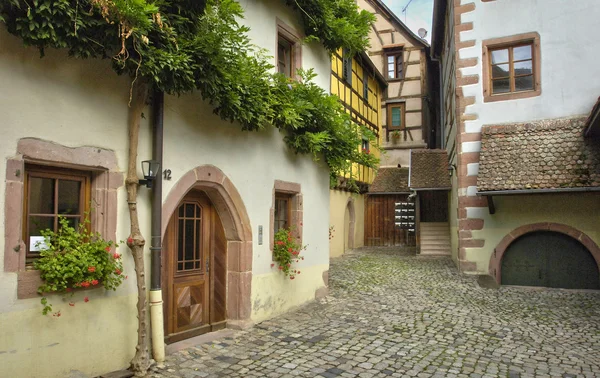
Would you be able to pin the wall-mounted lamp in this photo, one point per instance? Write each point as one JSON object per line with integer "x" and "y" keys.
{"x": 150, "y": 169}
{"x": 451, "y": 169}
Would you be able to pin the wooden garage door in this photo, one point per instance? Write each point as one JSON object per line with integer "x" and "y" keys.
{"x": 380, "y": 222}
{"x": 549, "y": 259}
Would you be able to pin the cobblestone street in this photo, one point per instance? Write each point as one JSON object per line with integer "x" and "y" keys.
{"x": 393, "y": 314}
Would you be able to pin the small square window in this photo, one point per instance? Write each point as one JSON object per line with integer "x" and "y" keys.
{"x": 365, "y": 145}
{"x": 50, "y": 193}
{"x": 284, "y": 57}
{"x": 289, "y": 50}
{"x": 511, "y": 67}
{"x": 282, "y": 214}
{"x": 395, "y": 116}
{"x": 394, "y": 64}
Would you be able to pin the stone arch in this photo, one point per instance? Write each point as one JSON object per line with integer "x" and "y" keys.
{"x": 231, "y": 210}
{"x": 495, "y": 265}
{"x": 350, "y": 207}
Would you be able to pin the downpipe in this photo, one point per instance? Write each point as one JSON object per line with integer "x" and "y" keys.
{"x": 156, "y": 301}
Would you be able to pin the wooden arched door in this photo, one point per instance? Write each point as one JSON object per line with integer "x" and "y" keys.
{"x": 194, "y": 267}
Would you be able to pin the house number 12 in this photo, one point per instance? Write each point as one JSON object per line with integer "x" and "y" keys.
{"x": 167, "y": 174}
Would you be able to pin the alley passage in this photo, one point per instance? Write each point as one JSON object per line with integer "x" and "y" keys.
{"x": 390, "y": 313}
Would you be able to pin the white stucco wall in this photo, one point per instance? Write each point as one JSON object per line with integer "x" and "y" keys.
{"x": 569, "y": 55}
{"x": 83, "y": 103}
{"x": 569, "y": 51}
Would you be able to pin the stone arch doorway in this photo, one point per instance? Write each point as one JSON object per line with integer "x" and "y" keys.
{"x": 349, "y": 222}
{"x": 549, "y": 255}
{"x": 230, "y": 259}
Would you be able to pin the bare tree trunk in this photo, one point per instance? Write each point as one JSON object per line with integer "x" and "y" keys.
{"x": 141, "y": 361}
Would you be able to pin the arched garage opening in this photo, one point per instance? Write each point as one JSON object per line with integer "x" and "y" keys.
{"x": 547, "y": 255}
{"x": 549, "y": 259}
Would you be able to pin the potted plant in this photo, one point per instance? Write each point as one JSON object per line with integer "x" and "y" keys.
{"x": 72, "y": 259}
{"x": 285, "y": 251}
{"x": 395, "y": 136}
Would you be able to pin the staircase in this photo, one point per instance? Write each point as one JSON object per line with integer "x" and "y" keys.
{"x": 435, "y": 239}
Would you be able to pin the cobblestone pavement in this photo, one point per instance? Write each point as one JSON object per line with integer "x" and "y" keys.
{"x": 393, "y": 314}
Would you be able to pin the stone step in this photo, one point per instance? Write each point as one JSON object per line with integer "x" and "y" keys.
{"x": 435, "y": 242}
{"x": 435, "y": 253}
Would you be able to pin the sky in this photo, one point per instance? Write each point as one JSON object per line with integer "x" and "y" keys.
{"x": 417, "y": 15}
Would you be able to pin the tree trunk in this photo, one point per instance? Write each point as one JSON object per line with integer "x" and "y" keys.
{"x": 141, "y": 361}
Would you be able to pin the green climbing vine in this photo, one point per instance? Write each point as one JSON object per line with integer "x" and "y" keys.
{"x": 184, "y": 45}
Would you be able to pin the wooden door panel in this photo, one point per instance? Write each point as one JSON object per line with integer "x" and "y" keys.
{"x": 380, "y": 219}
{"x": 191, "y": 306}
{"x": 187, "y": 268}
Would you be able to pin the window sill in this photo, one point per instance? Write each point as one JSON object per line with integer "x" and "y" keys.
{"x": 511, "y": 96}
{"x": 29, "y": 281}
{"x": 394, "y": 80}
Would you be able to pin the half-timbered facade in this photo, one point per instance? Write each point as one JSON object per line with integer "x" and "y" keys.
{"x": 401, "y": 57}
{"x": 359, "y": 86}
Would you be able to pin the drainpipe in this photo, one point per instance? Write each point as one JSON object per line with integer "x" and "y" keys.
{"x": 156, "y": 302}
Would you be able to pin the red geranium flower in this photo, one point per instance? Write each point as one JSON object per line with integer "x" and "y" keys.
{"x": 85, "y": 284}
{"x": 71, "y": 304}
{"x": 91, "y": 269}
{"x": 116, "y": 256}
{"x": 272, "y": 265}
{"x": 118, "y": 271}
{"x": 289, "y": 265}
{"x": 289, "y": 249}
{"x": 86, "y": 299}
{"x": 94, "y": 282}
{"x": 107, "y": 249}
{"x": 280, "y": 267}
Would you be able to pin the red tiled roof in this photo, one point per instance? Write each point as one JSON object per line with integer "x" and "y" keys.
{"x": 390, "y": 180}
{"x": 429, "y": 169}
{"x": 549, "y": 154}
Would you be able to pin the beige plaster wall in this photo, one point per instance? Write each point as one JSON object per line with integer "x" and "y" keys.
{"x": 338, "y": 201}
{"x": 83, "y": 103}
{"x": 274, "y": 294}
{"x": 578, "y": 210}
{"x": 75, "y": 104}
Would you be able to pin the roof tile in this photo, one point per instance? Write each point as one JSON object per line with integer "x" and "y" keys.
{"x": 390, "y": 180}
{"x": 429, "y": 169}
{"x": 548, "y": 154}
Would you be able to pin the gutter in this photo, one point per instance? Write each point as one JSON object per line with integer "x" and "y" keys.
{"x": 384, "y": 193}
{"x": 537, "y": 191}
{"x": 156, "y": 302}
{"x": 429, "y": 189}
{"x": 490, "y": 194}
